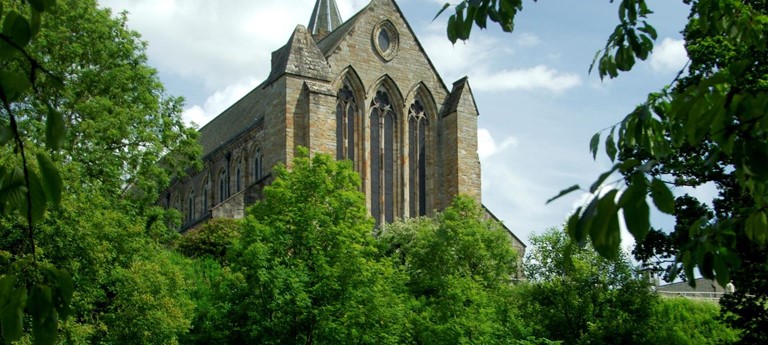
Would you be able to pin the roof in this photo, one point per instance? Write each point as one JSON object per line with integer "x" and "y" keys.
{"x": 328, "y": 43}
{"x": 460, "y": 89}
{"x": 325, "y": 17}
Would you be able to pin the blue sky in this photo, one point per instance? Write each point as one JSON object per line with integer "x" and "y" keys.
{"x": 538, "y": 105}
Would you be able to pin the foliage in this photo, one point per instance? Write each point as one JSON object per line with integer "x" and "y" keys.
{"x": 681, "y": 321}
{"x": 309, "y": 263}
{"x": 212, "y": 292}
{"x": 42, "y": 291}
{"x": 128, "y": 287}
{"x": 460, "y": 268}
{"x": 720, "y": 111}
{"x": 578, "y": 297}
{"x": 75, "y": 67}
{"x": 211, "y": 239}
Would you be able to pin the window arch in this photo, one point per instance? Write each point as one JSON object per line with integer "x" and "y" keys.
{"x": 418, "y": 125}
{"x": 239, "y": 176}
{"x": 204, "y": 208}
{"x": 191, "y": 206}
{"x": 347, "y": 123}
{"x": 223, "y": 185}
{"x": 384, "y": 157}
{"x": 256, "y": 166}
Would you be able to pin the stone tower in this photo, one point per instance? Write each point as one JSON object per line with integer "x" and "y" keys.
{"x": 362, "y": 90}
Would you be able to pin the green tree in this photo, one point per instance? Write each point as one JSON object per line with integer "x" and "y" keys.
{"x": 460, "y": 270}
{"x": 310, "y": 264}
{"x": 577, "y": 296}
{"x": 713, "y": 111}
{"x": 682, "y": 321}
{"x": 86, "y": 72}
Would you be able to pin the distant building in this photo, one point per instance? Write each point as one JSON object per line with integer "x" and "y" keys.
{"x": 705, "y": 289}
{"x": 363, "y": 90}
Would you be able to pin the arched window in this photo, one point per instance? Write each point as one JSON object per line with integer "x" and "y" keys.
{"x": 191, "y": 206}
{"x": 346, "y": 123}
{"x": 417, "y": 158}
{"x": 223, "y": 186}
{"x": 384, "y": 158}
{"x": 238, "y": 177}
{"x": 256, "y": 168}
{"x": 206, "y": 196}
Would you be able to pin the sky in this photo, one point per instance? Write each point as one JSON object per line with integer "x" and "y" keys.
{"x": 538, "y": 104}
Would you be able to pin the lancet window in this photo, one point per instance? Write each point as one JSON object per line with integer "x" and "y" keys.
{"x": 418, "y": 125}
{"x": 238, "y": 177}
{"x": 346, "y": 123}
{"x": 384, "y": 157}
{"x": 256, "y": 166}
{"x": 191, "y": 206}
{"x": 223, "y": 186}
{"x": 206, "y": 196}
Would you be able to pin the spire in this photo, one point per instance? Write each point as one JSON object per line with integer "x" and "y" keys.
{"x": 325, "y": 18}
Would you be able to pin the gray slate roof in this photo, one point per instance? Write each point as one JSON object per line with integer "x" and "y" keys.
{"x": 325, "y": 17}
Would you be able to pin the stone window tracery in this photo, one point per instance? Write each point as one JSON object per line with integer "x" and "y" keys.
{"x": 238, "y": 177}
{"x": 257, "y": 165}
{"x": 191, "y": 206}
{"x": 223, "y": 186}
{"x": 206, "y": 196}
{"x": 384, "y": 158}
{"x": 346, "y": 123}
{"x": 418, "y": 125}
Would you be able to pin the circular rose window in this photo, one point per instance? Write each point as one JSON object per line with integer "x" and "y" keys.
{"x": 385, "y": 40}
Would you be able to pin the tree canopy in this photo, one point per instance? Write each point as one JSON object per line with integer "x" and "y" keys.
{"x": 719, "y": 109}
{"x": 79, "y": 97}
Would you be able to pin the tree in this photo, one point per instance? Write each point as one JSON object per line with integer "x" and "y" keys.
{"x": 85, "y": 72}
{"x": 712, "y": 112}
{"x": 460, "y": 268}
{"x": 576, "y": 296}
{"x": 309, "y": 263}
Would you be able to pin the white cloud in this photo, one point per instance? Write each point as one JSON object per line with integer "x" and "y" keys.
{"x": 487, "y": 146}
{"x": 669, "y": 56}
{"x": 474, "y": 57}
{"x": 527, "y": 39}
{"x": 538, "y": 77}
{"x": 216, "y": 42}
{"x": 217, "y": 102}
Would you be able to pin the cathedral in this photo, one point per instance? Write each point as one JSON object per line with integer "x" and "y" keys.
{"x": 362, "y": 90}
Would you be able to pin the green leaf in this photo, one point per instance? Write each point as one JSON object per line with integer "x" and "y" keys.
{"x": 662, "y": 197}
{"x": 38, "y": 5}
{"x": 17, "y": 29}
{"x": 610, "y": 147}
{"x": 602, "y": 178}
{"x": 452, "y": 29}
{"x": 11, "y": 318}
{"x": 756, "y": 227}
{"x": 13, "y": 85}
{"x": 44, "y": 317}
{"x": 721, "y": 271}
{"x": 635, "y": 208}
{"x": 445, "y": 7}
{"x": 599, "y": 229}
{"x": 573, "y": 222}
{"x": 581, "y": 231}
{"x": 55, "y": 131}
{"x": 6, "y": 287}
{"x": 593, "y": 144}
{"x": 51, "y": 179}
{"x": 63, "y": 291}
{"x": 564, "y": 192}
{"x": 6, "y": 134}
{"x": 38, "y": 198}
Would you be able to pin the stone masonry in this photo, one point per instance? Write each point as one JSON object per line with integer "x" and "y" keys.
{"x": 363, "y": 89}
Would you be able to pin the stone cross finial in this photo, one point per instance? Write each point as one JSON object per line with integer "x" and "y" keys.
{"x": 325, "y": 18}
